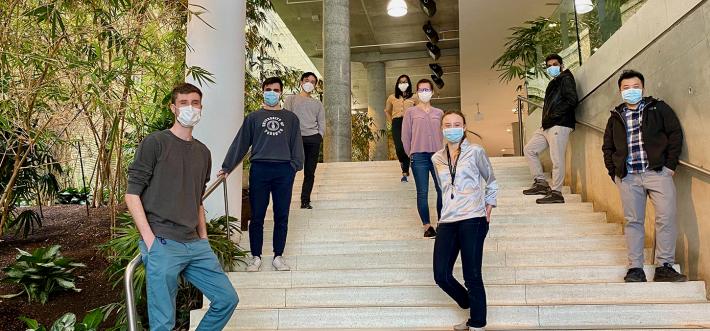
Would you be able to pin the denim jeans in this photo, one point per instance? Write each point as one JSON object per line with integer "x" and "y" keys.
{"x": 466, "y": 237}
{"x": 165, "y": 262}
{"x": 275, "y": 179}
{"x": 422, "y": 166}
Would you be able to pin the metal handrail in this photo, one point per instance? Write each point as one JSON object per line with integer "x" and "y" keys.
{"x": 689, "y": 165}
{"x": 131, "y": 310}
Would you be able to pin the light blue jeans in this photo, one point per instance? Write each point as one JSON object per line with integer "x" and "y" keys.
{"x": 165, "y": 262}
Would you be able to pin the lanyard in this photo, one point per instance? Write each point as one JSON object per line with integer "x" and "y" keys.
{"x": 452, "y": 168}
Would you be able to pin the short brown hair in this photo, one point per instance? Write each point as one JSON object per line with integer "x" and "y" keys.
{"x": 184, "y": 88}
{"x": 427, "y": 81}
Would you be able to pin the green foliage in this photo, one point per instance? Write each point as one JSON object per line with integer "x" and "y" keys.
{"x": 41, "y": 273}
{"x": 72, "y": 195}
{"x": 68, "y": 322}
{"x": 526, "y": 49}
{"x": 228, "y": 252}
{"x": 25, "y": 223}
{"x": 362, "y": 135}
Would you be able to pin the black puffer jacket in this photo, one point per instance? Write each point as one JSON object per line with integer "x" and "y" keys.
{"x": 661, "y": 133}
{"x": 560, "y": 102}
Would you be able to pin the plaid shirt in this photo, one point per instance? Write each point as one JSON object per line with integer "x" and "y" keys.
{"x": 637, "y": 161}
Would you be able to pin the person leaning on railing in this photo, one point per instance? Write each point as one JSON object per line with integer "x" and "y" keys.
{"x": 166, "y": 182}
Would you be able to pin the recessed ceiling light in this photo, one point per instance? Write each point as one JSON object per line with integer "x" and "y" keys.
{"x": 508, "y": 130}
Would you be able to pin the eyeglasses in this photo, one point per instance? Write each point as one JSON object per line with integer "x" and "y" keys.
{"x": 424, "y": 90}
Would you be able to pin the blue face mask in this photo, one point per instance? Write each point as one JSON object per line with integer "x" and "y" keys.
{"x": 632, "y": 96}
{"x": 453, "y": 135}
{"x": 554, "y": 71}
{"x": 271, "y": 98}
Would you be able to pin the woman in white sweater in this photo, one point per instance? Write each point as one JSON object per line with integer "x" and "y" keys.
{"x": 462, "y": 167}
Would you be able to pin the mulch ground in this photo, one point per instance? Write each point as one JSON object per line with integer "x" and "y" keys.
{"x": 79, "y": 235}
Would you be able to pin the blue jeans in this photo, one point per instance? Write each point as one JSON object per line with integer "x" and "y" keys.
{"x": 275, "y": 179}
{"x": 466, "y": 237}
{"x": 421, "y": 168}
{"x": 165, "y": 262}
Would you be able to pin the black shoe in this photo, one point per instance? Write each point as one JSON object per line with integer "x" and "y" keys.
{"x": 538, "y": 188}
{"x": 666, "y": 273}
{"x": 430, "y": 232}
{"x": 635, "y": 275}
{"x": 306, "y": 205}
{"x": 553, "y": 197}
{"x": 404, "y": 179}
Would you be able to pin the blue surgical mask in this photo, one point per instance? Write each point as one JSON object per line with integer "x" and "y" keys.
{"x": 632, "y": 96}
{"x": 554, "y": 71}
{"x": 453, "y": 135}
{"x": 271, "y": 98}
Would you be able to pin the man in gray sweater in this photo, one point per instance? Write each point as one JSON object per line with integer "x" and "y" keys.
{"x": 276, "y": 155}
{"x": 165, "y": 186}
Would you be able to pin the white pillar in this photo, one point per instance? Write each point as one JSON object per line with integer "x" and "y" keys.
{"x": 219, "y": 49}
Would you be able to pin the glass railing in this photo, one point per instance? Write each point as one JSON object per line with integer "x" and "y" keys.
{"x": 576, "y": 30}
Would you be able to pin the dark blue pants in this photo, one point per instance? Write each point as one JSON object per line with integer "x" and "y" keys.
{"x": 466, "y": 237}
{"x": 421, "y": 168}
{"x": 275, "y": 179}
{"x": 398, "y": 146}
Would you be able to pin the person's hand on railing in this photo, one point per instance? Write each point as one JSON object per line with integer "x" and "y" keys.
{"x": 221, "y": 173}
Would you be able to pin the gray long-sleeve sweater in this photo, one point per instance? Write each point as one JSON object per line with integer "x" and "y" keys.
{"x": 273, "y": 135}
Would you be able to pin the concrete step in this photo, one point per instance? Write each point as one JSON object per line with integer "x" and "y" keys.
{"x": 612, "y": 316}
{"x": 424, "y": 276}
{"x": 410, "y": 200}
{"x": 592, "y": 242}
{"x": 395, "y": 174}
{"x": 403, "y": 187}
{"x": 496, "y": 295}
{"x": 416, "y": 260}
{"x": 353, "y": 179}
{"x": 495, "y": 232}
{"x": 392, "y": 223}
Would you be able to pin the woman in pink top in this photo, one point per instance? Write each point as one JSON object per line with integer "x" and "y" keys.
{"x": 422, "y": 137}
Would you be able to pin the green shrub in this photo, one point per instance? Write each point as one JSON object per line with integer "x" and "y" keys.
{"x": 68, "y": 322}
{"x": 25, "y": 223}
{"x": 41, "y": 273}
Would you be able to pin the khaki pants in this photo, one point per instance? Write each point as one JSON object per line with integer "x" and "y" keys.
{"x": 556, "y": 139}
{"x": 634, "y": 188}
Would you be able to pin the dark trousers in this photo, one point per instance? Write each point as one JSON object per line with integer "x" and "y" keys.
{"x": 311, "y": 147}
{"x": 422, "y": 166}
{"x": 398, "y": 146}
{"x": 467, "y": 237}
{"x": 275, "y": 179}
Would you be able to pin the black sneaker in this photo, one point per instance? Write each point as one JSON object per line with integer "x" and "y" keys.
{"x": 540, "y": 187}
{"x": 666, "y": 273}
{"x": 404, "y": 179}
{"x": 430, "y": 232}
{"x": 552, "y": 197}
{"x": 306, "y": 205}
{"x": 635, "y": 275}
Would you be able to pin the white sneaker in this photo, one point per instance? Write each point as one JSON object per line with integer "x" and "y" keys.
{"x": 461, "y": 327}
{"x": 476, "y": 329}
{"x": 279, "y": 264}
{"x": 255, "y": 264}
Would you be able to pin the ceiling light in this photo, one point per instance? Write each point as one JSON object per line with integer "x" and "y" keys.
{"x": 431, "y": 34}
{"x": 583, "y": 6}
{"x": 438, "y": 81}
{"x": 502, "y": 150}
{"x": 436, "y": 69}
{"x": 397, "y": 8}
{"x": 434, "y": 51}
{"x": 508, "y": 130}
{"x": 428, "y": 7}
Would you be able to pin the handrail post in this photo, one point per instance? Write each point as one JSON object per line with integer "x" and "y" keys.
{"x": 226, "y": 208}
{"x": 130, "y": 295}
{"x": 520, "y": 126}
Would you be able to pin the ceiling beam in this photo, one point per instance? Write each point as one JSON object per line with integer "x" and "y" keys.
{"x": 379, "y": 57}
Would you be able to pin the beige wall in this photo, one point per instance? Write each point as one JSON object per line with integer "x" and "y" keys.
{"x": 673, "y": 54}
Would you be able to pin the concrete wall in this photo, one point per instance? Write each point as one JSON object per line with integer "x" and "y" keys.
{"x": 668, "y": 41}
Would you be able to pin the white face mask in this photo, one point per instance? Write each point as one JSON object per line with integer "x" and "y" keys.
{"x": 189, "y": 116}
{"x": 425, "y": 96}
{"x": 403, "y": 86}
{"x": 308, "y": 87}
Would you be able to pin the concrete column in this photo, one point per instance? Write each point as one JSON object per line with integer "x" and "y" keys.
{"x": 376, "y": 98}
{"x": 219, "y": 49}
{"x": 336, "y": 77}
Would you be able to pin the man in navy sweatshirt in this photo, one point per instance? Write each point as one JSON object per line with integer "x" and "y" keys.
{"x": 276, "y": 155}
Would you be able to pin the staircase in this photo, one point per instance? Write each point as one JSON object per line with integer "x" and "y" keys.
{"x": 359, "y": 262}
